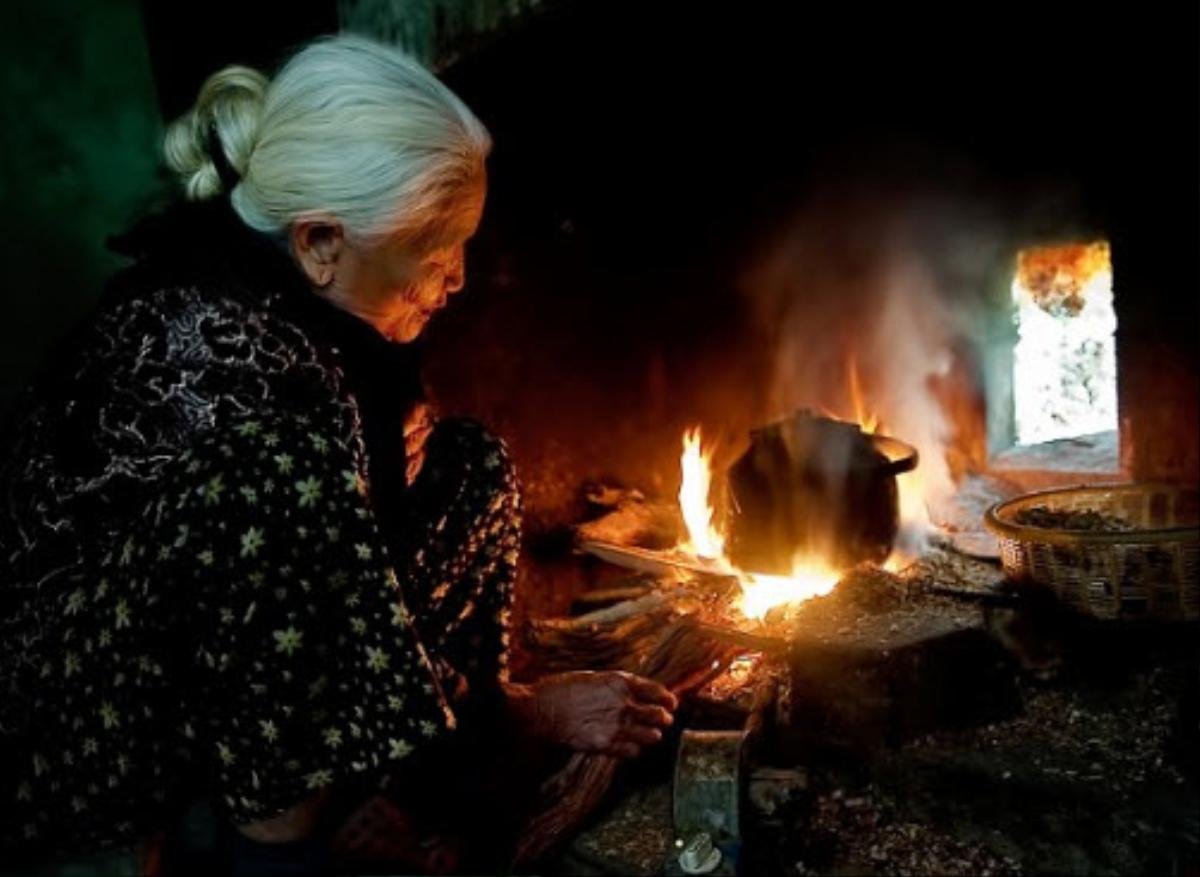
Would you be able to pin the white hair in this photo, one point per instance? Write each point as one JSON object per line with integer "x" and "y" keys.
{"x": 348, "y": 126}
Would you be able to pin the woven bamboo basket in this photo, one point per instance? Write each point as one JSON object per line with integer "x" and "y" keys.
{"x": 1149, "y": 571}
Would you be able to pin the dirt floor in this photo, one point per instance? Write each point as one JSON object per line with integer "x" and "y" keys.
{"x": 1096, "y": 772}
{"x": 1090, "y": 778}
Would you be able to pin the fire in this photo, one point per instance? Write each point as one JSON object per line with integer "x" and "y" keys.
{"x": 761, "y": 593}
{"x": 704, "y": 540}
{"x": 810, "y": 577}
{"x": 868, "y": 421}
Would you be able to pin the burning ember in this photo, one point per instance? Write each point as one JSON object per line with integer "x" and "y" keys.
{"x": 810, "y": 577}
{"x": 761, "y": 593}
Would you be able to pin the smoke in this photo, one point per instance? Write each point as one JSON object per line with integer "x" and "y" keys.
{"x": 893, "y": 284}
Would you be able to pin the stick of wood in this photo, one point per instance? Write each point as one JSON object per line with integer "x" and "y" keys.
{"x": 750, "y": 641}
{"x": 612, "y": 595}
{"x": 642, "y": 605}
{"x": 684, "y": 656}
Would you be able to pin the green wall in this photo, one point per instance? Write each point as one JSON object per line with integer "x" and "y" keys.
{"x": 79, "y": 156}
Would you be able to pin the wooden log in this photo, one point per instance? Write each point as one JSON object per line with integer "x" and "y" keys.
{"x": 602, "y": 597}
{"x": 649, "y": 603}
{"x": 574, "y": 793}
{"x": 750, "y": 642}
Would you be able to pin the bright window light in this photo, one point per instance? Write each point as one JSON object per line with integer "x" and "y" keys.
{"x": 1065, "y": 362}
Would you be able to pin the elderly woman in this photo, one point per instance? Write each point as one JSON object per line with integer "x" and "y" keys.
{"x": 242, "y": 563}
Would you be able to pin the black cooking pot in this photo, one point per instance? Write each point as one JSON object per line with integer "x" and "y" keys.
{"x": 815, "y": 486}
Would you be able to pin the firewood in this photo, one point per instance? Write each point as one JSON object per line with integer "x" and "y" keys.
{"x": 575, "y": 791}
{"x": 683, "y": 655}
{"x": 640, "y": 606}
{"x": 607, "y": 596}
{"x": 631, "y": 519}
{"x": 748, "y": 641}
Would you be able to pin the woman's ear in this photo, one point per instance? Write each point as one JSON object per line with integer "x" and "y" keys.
{"x": 317, "y": 243}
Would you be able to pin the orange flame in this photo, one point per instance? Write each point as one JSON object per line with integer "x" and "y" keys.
{"x": 868, "y": 421}
{"x": 810, "y": 577}
{"x": 704, "y": 540}
{"x": 761, "y": 593}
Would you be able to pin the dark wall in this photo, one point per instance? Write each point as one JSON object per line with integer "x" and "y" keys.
{"x": 188, "y": 44}
{"x": 85, "y": 91}
{"x": 79, "y": 136}
{"x": 647, "y": 153}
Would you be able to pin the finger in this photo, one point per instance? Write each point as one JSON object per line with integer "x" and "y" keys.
{"x": 412, "y": 468}
{"x": 419, "y": 417}
{"x": 642, "y": 735}
{"x": 648, "y": 714}
{"x": 418, "y": 433}
{"x": 414, "y": 449}
{"x": 651, "y": 692}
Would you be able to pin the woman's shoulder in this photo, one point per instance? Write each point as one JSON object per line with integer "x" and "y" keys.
{"x": 185, "y": 334}
{"x": 200, "y": 290}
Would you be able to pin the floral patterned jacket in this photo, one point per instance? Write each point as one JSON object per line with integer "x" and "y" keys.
{"x": 192, "y": 578}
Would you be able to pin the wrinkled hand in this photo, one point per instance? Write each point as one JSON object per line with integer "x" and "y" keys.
{"x": 417, "y": 427}
{"x": 611, "y": 712}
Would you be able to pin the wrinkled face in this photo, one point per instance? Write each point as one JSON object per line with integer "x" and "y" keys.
{"x": 396, "y": 289}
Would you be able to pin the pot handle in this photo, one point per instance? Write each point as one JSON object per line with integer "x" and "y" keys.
{"x": 902, "y": 457}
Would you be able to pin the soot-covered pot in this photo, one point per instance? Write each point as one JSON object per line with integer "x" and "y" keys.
{"x": 815, "y": 486}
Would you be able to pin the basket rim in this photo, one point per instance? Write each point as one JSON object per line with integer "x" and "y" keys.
{"x": 1024, "y": 533}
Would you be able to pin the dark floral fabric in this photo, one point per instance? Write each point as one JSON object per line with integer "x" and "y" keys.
{"x": 199, "y": 596}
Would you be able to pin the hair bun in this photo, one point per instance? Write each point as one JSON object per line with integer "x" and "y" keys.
{"x": 224, "y": 121}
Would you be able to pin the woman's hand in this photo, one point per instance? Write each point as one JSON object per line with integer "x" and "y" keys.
{"x": 417, "y": 427}
{"x": 611, "y": 712}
